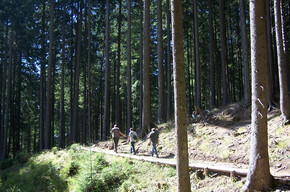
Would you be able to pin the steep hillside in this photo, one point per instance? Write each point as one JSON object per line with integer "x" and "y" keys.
{"x": 222, "y": 136}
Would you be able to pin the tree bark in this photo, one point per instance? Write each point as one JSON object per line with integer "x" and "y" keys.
{"x": 161, "y": 106}
{"x": 129, "y": 81}
{"x": 62, "y": 112}
{"x": 75, "y": 125}
{"x": 211, "y": 57}
{"x": 117, "y": 101}
{"x": 259, "y": 177}
{"x": 223, "y": 51}
{"x": 246, "y": 70}
{"x": 42, "y": 80}
{"x": 146, "y": 115}
{"x": 107, "y": 79}
{"x": 284, "y": 99}
{"x": 47, "y": 143}
{"x": 269, "y": 63}
{"x": 168, "y": 15}
{"x": 197, "y": 59}
{"x": 183, "y": 182}
{"x": 6, "y": 99}
{"x": 141, "y": 61}
{"x": 89, "y": 75}
{"x": 3, "y": 95}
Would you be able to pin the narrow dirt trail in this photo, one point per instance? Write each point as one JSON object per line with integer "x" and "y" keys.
{"x": 220, "y": 168}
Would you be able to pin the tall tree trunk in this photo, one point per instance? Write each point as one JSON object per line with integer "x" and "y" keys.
{"x": 3, "y": 96}
{"x": 89, "y": 74}
{"x": 62, "y": 112}
{"x": 259, "y": 177}
{"x": 42, "y": 80}
{"x": 117, "y": 102}
{"x": 146, "y": 115}
{"x": 72, "y": 53}
{"x": 53, "y": 100}
{"x": 85, "y": 84}
{"x": 129, "y": 81}
{"x": 197, "y": 59}
{"x": 284, "y": 99}
{"x": 246, "y": 70}
{"x": 161, "y": 106}
{"x": 269, "y": 64}
{"x": 107, "y": 79}
{"x": 17, "y": 103}
{"x": 75, "y": 125}
{"x": 285, "y": 43}
{"x": 183, "y": 182}
{"x": 223, "y": 51}
{"x": 100, "y": 103}
{"x": 189, "y": 75}
{"x": 47, "y": 143}
{"x": 141, "y": 67}
{"x": 231, "y": 69}
{"x": 6, "y": 117}
{"x": 211, "y": 56}
{"x": 168, "y": 15}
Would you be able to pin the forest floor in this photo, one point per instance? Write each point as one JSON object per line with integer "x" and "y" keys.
{"x": 220, "y": 137}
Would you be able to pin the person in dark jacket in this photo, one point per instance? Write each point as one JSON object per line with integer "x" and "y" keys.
{"x": 116, "y": 136}
{"x": 153, "y": 138}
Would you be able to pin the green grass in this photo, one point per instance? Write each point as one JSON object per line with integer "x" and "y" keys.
{"x": 78, "y": 170}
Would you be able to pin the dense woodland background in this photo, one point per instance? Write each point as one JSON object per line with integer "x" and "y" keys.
{"x": 70, "y": 69}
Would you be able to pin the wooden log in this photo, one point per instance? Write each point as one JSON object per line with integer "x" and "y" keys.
{"x": 232, "y": 172}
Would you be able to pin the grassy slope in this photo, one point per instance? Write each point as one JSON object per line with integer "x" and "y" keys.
{"x": 78, "y": 170}
{"x": 221, "y": 136}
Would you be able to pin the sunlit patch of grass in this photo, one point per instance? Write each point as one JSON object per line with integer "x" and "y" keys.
{"x": 205, "y": 145}
{"x": 166, "y": 127}
{"x": 282, "y": 145}
{"x": 225, "y": 153}
{"x": 194, "y": 142}
{"x": 279, "y": 130}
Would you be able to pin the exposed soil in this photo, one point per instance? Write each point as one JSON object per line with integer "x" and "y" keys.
{"x": 222, "y": 136}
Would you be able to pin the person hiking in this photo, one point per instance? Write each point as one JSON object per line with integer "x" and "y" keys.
{"x": 132, "y": 137}
{"x": 116, "y": 136}
{"x": 153, "y": 138}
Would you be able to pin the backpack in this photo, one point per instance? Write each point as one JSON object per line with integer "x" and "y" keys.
{"x": 115, "y": 132}
{"x": 135, "y": 137}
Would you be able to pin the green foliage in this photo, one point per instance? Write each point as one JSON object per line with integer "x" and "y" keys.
{"x": 171, "y": 172}
{"x": 73, "y": 169}
{"x": 79, "y": 170}
{"x": 100, "y": 162}
{"x": 75, "y": 146}
{"x": 41, "y": 177}
{"x": 21, "y": 157}
{"x": 6, "y": 163}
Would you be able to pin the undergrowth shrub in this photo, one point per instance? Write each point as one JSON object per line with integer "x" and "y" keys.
{"x": 74, "y": 146}
{"x": 96, "y": 184}
{"x": 78, "y": 170}
{"x": 21, "y": 157}
{"x": 99, "y": 162}
{"x": 6, "y": 163}
{"x": 43, "y": 177}
{"x": 73, "y": 169}
{"x": 104, "y": 175}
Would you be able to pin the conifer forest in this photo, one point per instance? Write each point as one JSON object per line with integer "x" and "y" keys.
{"x": 71, "y": 69}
